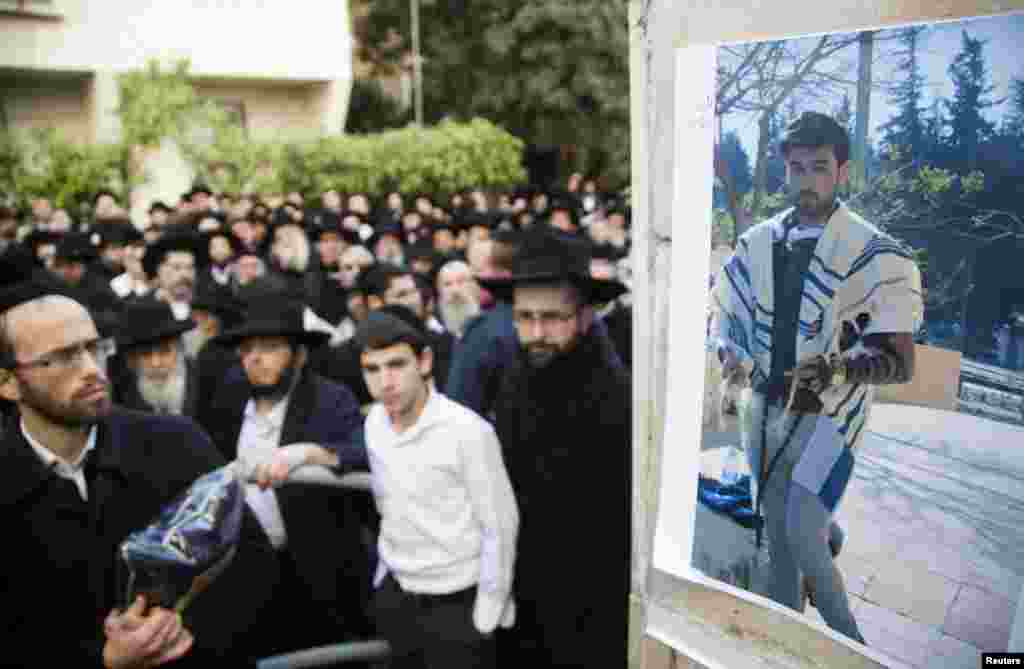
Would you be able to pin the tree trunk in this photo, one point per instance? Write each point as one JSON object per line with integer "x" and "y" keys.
{"x": 760, "y": 170}
{"x": 860, "y": 142}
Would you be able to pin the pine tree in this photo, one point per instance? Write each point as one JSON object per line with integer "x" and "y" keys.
{"x": 971, "y": 91}
{"x": 904, "y": 132}
{"x": 1013, "y": 124}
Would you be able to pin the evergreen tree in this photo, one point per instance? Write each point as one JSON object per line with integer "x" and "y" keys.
{"x": 1013, "y": 124}
{"x": 971, "y": 91}
{"x": 551, "y": 72}
{"x": 904, "y": 133}
{"x": 737, "y": 163}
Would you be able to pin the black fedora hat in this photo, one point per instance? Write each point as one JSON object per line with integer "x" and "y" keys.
{"x": 275, "y": 316}
{"x": 117, "y": 232}
{"x": 76, "y": 247}
{"x": 188, "y": 242}
{"x": 221, "y": 302}
{"x": 545, "y": 257}
{"x": 146, "y": 321}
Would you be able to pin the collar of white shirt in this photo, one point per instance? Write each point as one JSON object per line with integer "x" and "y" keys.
{"x": 68, "y": 470}
{"x": 275, "y": 417}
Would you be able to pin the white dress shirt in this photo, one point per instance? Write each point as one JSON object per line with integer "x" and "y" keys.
{"x": 435, "y": 325}
{"x": 449, "y": 518}
{"x": 257, "y": 442}
{"x": 125, "y": 285}
{"x": 72, "y": 471}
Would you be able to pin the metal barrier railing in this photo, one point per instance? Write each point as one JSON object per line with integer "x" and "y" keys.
{"x": 325, "y": 656}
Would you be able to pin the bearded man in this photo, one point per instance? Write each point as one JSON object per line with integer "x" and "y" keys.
{"x": 77, "y": 475}
{"x": 564, "y": 420}
{"x": 458, "y": 297}
{"x": 155, "y": 374}
{"x": 172, "y": 263}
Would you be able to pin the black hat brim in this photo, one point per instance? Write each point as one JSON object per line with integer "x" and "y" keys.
{"x": 595, "y": 291}
{"x": 152, "y": 335}
{"x": 232, "y": 338}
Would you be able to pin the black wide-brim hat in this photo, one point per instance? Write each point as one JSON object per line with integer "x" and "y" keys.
{"x": 189, "y": 242}
{"x": 221, "y": 302}
{"x": 276, "y": 316}
{"x": 545, "y": 257}
{"x": 147, "y": 321}
{"x": 76, "y": 247}
{"x": 118, "y": 231}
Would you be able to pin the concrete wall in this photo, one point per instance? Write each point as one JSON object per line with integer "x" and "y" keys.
{"x": 271, "y": 110}
{"x": 679, "y": 620}
{"x": 277, "y": 39}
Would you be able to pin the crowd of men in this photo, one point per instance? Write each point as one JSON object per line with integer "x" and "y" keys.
{"x": 473, "y": 355}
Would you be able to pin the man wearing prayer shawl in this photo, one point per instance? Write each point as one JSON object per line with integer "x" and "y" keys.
{"x": 816, "y": 307}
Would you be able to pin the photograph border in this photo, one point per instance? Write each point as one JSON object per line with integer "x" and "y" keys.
{"x": 703, "y": 619}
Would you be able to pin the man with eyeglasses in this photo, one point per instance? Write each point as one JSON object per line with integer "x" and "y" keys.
{"x": 77, "y": 475}
{"x": 563, "y": 417}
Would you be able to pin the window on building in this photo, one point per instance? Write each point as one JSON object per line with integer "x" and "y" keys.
{"x": 32, "y": 8}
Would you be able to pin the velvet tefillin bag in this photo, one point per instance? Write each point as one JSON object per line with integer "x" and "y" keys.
{"x": 189, "y": 544}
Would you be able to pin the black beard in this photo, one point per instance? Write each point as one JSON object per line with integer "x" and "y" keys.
{"x": 539, "y": 358}
{"x": 820, "y": 209}
{"x": 274, "y": 390}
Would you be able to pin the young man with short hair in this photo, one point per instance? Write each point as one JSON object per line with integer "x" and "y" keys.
{"x": 449, "y": 518}
{"x": 815, "y": 308}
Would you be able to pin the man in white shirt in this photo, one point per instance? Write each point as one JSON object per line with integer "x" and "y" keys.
{"x": 449, "y": 518}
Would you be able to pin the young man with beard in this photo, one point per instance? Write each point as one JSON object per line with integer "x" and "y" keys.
{"x": 276, "y": 400}
{"x": 155, "y": 376}
{"x": 564, "y": 422}
{"x": 815, "y": 308}
{"x": 449, "y": 518}
{"x": 458, "y": 297}
{"x": 78, "y": 475}
{"x": 172, "y": 263}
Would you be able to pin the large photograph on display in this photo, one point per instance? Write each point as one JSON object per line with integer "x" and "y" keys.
{"x": 862, "y": 451}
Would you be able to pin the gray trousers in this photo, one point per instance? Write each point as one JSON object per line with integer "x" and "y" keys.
{"x": 798, "y": 525}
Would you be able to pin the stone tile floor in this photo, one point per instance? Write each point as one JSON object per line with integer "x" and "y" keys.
{"x": 934, "y": 523}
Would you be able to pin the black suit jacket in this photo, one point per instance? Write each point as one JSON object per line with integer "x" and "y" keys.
{"x": 325, "y": 527}
{"x": 61, "y": 574}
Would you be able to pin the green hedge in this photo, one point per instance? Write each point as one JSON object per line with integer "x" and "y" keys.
{"x": 41, "y": 162}
{"x": 441, "y": 159}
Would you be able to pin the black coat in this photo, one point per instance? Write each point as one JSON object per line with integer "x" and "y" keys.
{"x": 325, "y": 527}
{"x": 565, "y": 432}
{"x": 61, "y": 576}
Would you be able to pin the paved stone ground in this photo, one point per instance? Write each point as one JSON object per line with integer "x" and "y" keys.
{"x": 934, "y": 518}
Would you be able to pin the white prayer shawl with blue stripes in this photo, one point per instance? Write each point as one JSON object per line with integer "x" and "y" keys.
{"x": 855, "y": 269}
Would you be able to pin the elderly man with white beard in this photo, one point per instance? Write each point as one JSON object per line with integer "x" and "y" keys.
{"x": 458, "y": 296}
{"x": 152, "y": 372}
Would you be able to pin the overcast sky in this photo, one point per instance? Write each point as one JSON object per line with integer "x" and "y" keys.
{"x": 1004, "y": 55}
